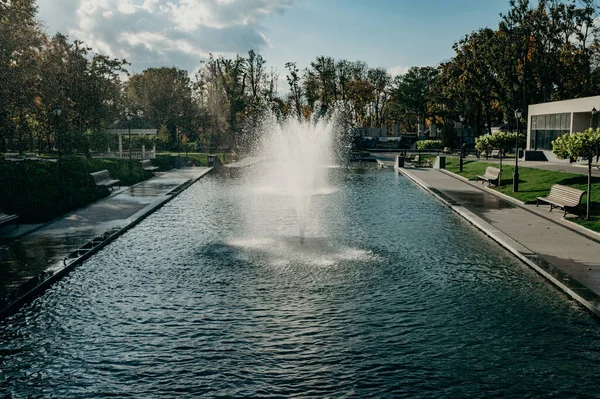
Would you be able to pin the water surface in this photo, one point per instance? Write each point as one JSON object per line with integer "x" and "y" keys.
{"x": 391, "y": 295}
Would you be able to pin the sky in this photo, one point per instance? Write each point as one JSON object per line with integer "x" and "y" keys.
{"x": 393, "y": 34}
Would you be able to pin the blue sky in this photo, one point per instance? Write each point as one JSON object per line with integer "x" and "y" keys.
{"x": 394, "y": 34}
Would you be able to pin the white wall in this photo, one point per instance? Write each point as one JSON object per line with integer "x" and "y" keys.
{"x": 579, "y": 108}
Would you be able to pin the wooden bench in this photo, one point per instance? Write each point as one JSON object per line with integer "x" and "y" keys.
{"x": 491, "y": 174}
{"x": 147, "y": 165}
{"x": 31, "y": 156}
{"x": 495, "y": 154}
{"x": 103, "y": 179}
{"x": 6, "y": 218}
{"x": 563, "y": 197}
{"x": 12, "y": 156}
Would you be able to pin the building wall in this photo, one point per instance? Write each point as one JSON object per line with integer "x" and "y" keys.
{"x": 581, "y": 121}
{"x": 579, "y": 109}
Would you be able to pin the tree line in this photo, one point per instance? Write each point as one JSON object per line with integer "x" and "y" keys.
{"x": 541, "y": 51}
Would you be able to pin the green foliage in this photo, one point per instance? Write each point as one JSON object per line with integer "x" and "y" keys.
{"x": 498, "y": 140}
{"x": 429, "y": 145}
{"x": 585, "y": 145}
{"x": 32, "y": 188}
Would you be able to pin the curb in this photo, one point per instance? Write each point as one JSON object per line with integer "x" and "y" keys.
{"x": 555, "y": 275}
{"x": 135, "y": 219}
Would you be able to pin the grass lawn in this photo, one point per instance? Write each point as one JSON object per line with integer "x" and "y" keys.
{"x": 535, "y": 183}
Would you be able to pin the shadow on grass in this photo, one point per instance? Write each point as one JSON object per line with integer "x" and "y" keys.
{"x": 534, "y": 191}
{"x": 582, "y": 179}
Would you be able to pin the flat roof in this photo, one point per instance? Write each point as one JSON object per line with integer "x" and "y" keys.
{"x": 584, "y": 104}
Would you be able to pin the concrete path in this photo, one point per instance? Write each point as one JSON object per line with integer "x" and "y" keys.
{"x": 557, "y": 249}
{"x": 39, "y": 257}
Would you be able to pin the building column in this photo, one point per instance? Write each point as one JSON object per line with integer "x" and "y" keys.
{"x": 120, "y": 145}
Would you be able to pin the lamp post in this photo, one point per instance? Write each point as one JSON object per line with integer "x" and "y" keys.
{"x": 462, "y": 130}
{"x": 129, "y": 115}
{"x": 593, "y": 117}
{"x": 56, "y": 112}
{"x": 518, "y": 114}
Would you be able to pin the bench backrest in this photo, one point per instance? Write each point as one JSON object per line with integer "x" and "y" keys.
{"x": 495, "y": 153}
{"x": 146, "y": 163}
{"x": 11, "y": 155}
{"x": 492, "y": 172}
{"x": 568, "y": 196}
{"x": 100, "y": 177}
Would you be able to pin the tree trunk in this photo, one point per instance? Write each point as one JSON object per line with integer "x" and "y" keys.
{"x": 589, "y": 189}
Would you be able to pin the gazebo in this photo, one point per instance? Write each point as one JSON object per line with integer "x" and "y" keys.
{"x": 135, "y": 126}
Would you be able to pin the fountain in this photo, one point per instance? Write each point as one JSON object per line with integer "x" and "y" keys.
{"x": 300, "y": 155}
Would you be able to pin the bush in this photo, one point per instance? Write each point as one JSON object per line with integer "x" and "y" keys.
{"x": 32, "y": 189}
{"x": 429, "y": 145}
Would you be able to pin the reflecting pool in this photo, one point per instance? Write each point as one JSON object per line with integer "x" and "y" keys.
{"x": 389, "y": 295}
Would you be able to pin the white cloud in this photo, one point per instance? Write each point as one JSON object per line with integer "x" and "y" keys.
{"x": 163, "y": 32}
{"x": 398, "y": 70}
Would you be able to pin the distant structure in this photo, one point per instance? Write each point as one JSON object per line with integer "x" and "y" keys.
{"x": 547, "y": 121}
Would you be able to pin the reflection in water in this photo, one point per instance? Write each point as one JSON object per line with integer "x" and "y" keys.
{"x": 391, "y": 295}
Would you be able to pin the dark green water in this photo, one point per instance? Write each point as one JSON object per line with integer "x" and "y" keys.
{"x": 391, "y": 295}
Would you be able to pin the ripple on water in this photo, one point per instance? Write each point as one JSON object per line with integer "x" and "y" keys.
{"x": 393, "y": 296}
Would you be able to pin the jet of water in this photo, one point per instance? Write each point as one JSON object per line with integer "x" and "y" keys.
{"x": 298, "y": 154}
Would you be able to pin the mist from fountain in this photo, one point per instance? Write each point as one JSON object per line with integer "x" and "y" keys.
{"x": 299, "y": 155}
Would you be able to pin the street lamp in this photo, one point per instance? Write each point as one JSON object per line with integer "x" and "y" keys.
{"x": 129, "y": 115}
{"x": 56, "y": 112}
{"x": 593, "y": 117}
{"x": 518, "y": 114}
{"x": 462, "y": 130}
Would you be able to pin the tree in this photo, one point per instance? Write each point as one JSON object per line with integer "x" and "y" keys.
{"x": 21, "y": 41}
{"x": 165, "y": 96}
{"x": 380, "y": 82}
{"x": 498, "y": 140}
{"x": 584, "y": 145}
{"x": 293, "y": 80}
{"x": 411, "y": 95}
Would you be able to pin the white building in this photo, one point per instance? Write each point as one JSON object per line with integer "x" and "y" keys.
{"x": 547, "y": 121}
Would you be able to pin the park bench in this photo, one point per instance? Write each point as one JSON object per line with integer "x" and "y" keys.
{"x": 6, "y": 218}
{"x": 491, "y": 174}
{"x": 147, "y": 165}
{"x": 32, "y": 156}
{"x": 12, "y": 156}
{"x": 563, "y": 197}
{"x": 103, "y": 179}
{"x": 495, "y": 154}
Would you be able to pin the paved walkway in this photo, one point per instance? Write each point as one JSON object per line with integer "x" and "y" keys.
{"x": 39, "y": 256}
{"x": 389, "y": 157}
{"x": 556, "y": 248}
